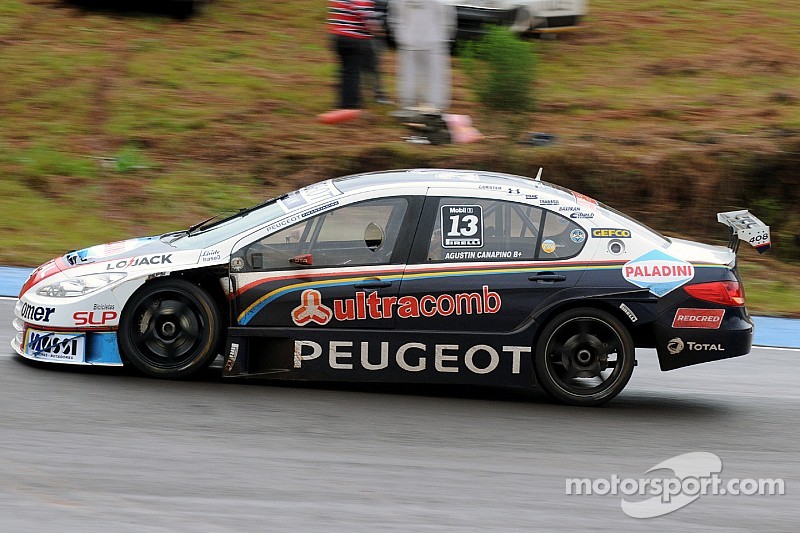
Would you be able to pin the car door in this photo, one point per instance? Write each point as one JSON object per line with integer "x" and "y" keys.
{"x": 484, "y": 265}
{"x": 336, "y": 269}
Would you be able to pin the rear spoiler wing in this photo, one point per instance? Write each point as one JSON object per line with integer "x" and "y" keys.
{"x": 745, "y": 226}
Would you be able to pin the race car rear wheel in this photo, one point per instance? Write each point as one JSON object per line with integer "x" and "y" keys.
{"x": 584, "y": 357}
{"x": 170, "y": 328}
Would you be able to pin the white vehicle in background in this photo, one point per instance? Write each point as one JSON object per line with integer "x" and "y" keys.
{"x": 522, "y": 16}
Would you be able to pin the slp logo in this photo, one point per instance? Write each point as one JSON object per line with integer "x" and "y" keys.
{"x": 93, "y": 318}
{"x": 658, "y": 272}
{"x": 311, "y": 309}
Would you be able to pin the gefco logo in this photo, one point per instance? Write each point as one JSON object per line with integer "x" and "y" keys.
{"x": 371, "y": 306}
{"x": 611, "y": 233}
{"x": 658, "y": 272}
{"x": 160, "y": 259}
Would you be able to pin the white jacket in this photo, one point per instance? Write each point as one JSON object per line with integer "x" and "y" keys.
{"x": 422, "y": 24}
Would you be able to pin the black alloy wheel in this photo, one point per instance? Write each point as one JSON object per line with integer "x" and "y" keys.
{"x": 584, "y": 357}
{"x": 170, "y": 328}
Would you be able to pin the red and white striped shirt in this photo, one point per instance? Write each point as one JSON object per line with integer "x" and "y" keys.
{"x": 350, "y": 18}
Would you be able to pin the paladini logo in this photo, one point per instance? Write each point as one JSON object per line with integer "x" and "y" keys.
{"x": 658, "y": 272}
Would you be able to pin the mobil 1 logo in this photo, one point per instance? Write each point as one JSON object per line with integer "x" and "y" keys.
{"x": 462, "y": 226}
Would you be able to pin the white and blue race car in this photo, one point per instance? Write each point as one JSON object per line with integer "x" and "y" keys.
{"x": 422, "y": 276}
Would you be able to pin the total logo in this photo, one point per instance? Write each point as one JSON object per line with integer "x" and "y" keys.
{"x": 658, "y": 272}
{"x": 372, "y": 306}
{"x": 676, "y": 346}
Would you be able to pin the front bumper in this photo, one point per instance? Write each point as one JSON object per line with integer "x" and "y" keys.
{"x": 100, "y": 348}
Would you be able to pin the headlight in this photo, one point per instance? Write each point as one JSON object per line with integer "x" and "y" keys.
{"x": 71, "y": 288}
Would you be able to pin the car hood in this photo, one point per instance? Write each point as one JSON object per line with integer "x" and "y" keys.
{"x": 117, "y": 250}
{"x": 141, "y": 256}
{"x": 135, "y": 255}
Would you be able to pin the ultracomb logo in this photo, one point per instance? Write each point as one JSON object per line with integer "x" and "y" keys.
{"x": 311, "y": 309}
{"x": 374, "y": 307}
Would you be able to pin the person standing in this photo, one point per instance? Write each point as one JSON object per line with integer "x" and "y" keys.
{"x": 350, "y": 24}
{"x": 372, "y": 57}
{"x": 423, "y": 31}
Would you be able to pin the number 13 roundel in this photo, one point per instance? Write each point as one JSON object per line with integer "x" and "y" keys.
{"x": 462, "y": 226}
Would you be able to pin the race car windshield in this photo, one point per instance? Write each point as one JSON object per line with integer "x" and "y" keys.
{"x": 225, "y": 225}
{"x": 212, "y": 221}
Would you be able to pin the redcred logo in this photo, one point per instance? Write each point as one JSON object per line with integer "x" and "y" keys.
{"x": 698, "y": 318}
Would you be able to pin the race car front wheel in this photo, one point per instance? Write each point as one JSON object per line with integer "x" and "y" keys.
{"x": 170, "y": 328}
{"x": 584, "y": 357}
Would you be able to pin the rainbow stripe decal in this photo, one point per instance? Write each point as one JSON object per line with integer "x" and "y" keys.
{"x": 412, "y": 274}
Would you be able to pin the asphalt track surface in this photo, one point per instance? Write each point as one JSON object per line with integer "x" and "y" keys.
{"x": 105, "y": 450}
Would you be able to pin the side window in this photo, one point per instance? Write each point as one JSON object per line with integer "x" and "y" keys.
{"x": 470, "y": 229}
{"x": 561, "y": 238}
{"x": 358, "y": 234}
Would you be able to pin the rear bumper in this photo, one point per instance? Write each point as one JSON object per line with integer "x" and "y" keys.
{"x": 680, "y": 347}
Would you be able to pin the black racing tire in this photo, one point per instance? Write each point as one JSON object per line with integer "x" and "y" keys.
{"x": 584, "y": 356}
{"x": 170, "y": 328}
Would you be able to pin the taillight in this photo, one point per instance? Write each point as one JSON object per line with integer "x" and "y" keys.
{"x": 718, "y": 292}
